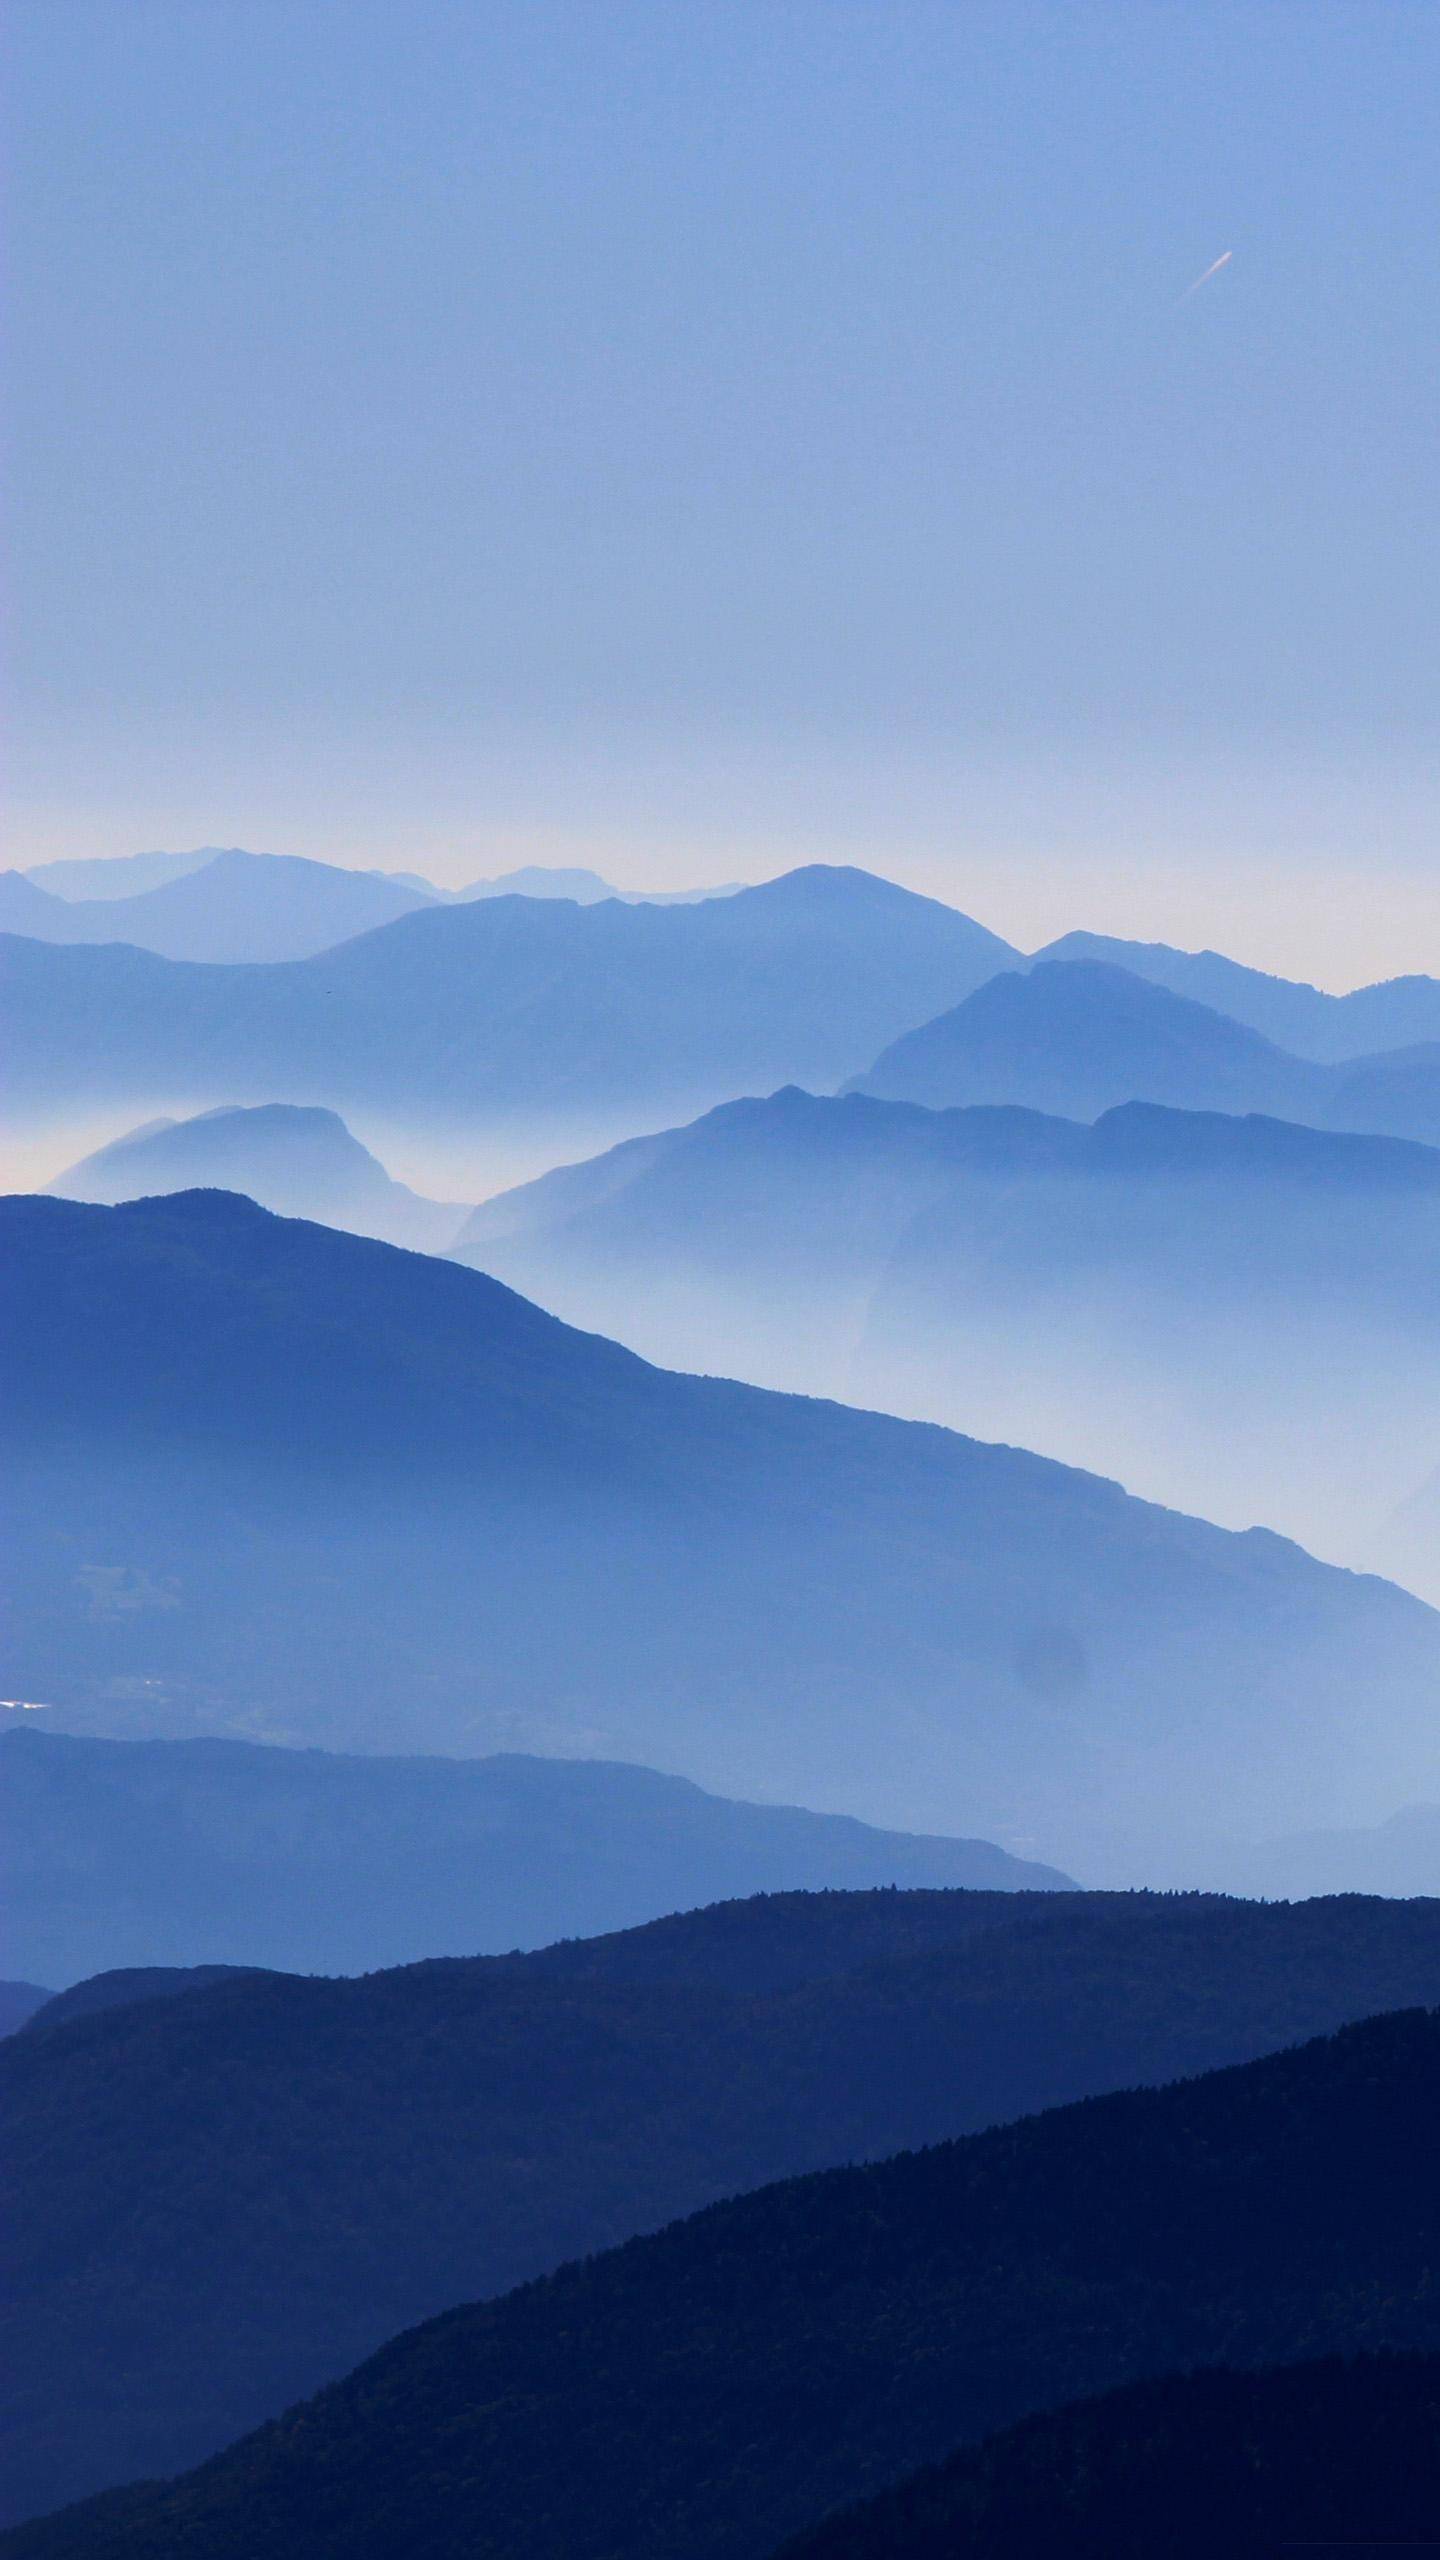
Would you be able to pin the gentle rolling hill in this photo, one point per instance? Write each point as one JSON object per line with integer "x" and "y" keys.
{"x": 159, "y": 1853}
{"x": 273, "y": 1480}
{"x": 223, "y": 2195}
{"x": 704, "y": 2393}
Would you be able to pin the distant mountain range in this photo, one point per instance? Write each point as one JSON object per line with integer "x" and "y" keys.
{"x": 301, "y": 1162}
{"x": 1079, "y": 1037}
{"x": 124, "y": 875}
{"x": 222, "y": 903}
{"x": 274, "y": 1480}
{"x": 1398, "y": 1014}
{"x": 235, "y": 906}
{"x": 161, "y": 1853}
{"x": 275, "y": 2226}
{"x": 253, "y": 899}
{"x": 704, "y": 2393}
{"x": 502, "y": 1011}
{"x": 1236, "y": 1315}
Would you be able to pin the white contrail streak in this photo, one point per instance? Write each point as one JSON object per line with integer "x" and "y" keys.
{"x": 1212, "y": 270}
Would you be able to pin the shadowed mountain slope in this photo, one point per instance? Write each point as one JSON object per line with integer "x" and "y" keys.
{"x": 703, "y": 2393}
{"x": 236, "y": 906}
{"x": 533, "y": 1010}
{"x": 1338, "y": 2455}
{"x": 1396, "y": 1014}
{"x": 264, "y": 1472}
{"x": 223, "y": 2196}
{"x": 302, "y": 1163}
{"x": 1080, "y": 1037}
{"x": 155, "y": 1853}
{"x": 123, "y": 1987}
{"x": 1240, "y": 1316}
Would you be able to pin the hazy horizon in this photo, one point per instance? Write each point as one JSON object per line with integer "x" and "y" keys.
{"x": 1337, "y": 939}
{"x": 605, "y": 439}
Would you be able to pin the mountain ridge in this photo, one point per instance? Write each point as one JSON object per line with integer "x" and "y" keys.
{"x": 133, "y": 1853}
{"x": 602, "y": 1559}
{"x": 1235, "y": 1315}
{"x": 703, "y": 2393}
{"x": 189, "y": 2267}
{"x": 1078, "y": 1037}
{"x": 537, "y": 1011}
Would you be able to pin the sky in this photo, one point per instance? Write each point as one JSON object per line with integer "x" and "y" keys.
{"x": 697, "y": 439}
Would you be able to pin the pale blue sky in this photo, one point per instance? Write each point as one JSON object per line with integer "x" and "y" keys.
{"x": 694, "y": 438}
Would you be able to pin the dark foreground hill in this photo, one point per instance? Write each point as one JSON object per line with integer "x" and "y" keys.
{"x": 1338, "y": 2455}
{"x": 1078, "y": 1037}
{"x": 302, "y": 1163}
{"x": 296, "y": 1484}
{"x": 222, "y": 2197}
{"x": 703, "y": 2393}
{"x": 511, "y": 1012}
{"x": 162, "y": 1853}
{"x": 1239, "y": 1316}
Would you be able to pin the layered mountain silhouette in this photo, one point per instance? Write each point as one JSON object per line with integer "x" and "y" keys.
{"x": 505, "y": 1010}
{"x": 276, "y": 1480}
{"x": 128, "y": 875}
{"x": 1399, "y": 1013}
{"x": 302, "y": 1162}
{"x": 155, "y": 1853}
{"x": 546, "y": 880}
{"x": 352, "y": 2155}
{"x": 125, "y": 1986}
{"x": 1343, "y": 2454}
{"x": 121, "y": 875}
{"x": 1239, "y": 1315}
{"x": 1078, "y": 1037}
{"x": 707, "y": 2392}
{"x": 235, "y": 906}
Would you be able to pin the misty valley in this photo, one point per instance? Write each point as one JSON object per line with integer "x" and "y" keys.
{"x": 719, "y": 1281}
{"x": 944, "y": 1501}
